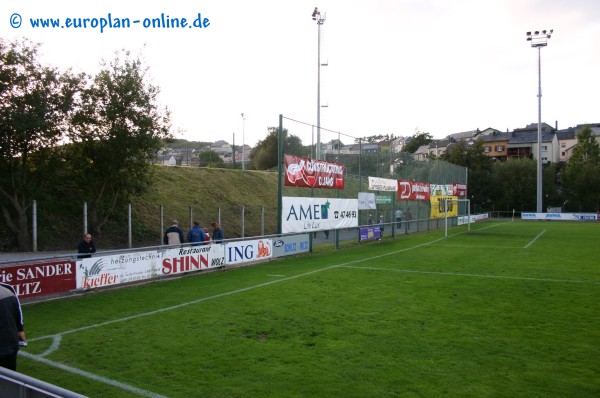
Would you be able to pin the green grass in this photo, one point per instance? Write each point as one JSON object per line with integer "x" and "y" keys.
{"x": 509, "y": 309}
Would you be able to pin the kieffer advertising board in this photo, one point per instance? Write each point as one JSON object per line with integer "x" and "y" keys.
{"x": 412, "y": 190}
{"x": 310, "y": 173}
{"x": 302, "y": 214}
{"x": 43, "y": 278}
{"x": 129, "y": 267}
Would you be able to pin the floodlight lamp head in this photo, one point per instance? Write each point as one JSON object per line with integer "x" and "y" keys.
{"x": 315, "y": 14}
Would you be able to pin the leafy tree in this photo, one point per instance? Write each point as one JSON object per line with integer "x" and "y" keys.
{"x": 583, "y": 171}
{"x": 418, "y": 139}
{"x": 35, "y": 103}
{"x": 210, "y": 159}
{"x": 264, "y": 154}
{"x": 514, "y": 183}
{"x": 471, "y": 156}
{"x": 116, "y": 132}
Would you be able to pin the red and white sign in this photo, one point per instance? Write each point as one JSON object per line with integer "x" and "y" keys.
{"x": 412, "y": 190}
{"x": 310, "y": 173}
{"x": 460, "y": 189}
{"x": 43, "y": 278}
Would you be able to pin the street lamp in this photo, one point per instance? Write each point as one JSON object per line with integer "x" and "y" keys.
{"x": 243, "y": 142}
{"x": 538, "y": 40}
{"x": 316, "y": 16}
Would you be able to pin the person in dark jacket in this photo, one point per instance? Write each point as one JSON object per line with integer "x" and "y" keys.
{"x": 196, "y": 235}
{"x": 12, "y": 334}
{"x": 173, "y": 234}
{"x": 217, "y": 234}
{"x": 86, "y": 246}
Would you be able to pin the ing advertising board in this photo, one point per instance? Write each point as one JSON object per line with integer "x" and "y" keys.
{"x": 248, "y": 250}
{"x": 413, "y": 190}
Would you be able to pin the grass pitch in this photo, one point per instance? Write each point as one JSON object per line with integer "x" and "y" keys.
{"x": 508, "y": 309}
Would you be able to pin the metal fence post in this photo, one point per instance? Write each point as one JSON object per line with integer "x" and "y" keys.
{"x": 34, "y": 225}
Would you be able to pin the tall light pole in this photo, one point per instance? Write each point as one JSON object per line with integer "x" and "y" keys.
{"x": 243, "y": 140}
{"x": 538, "y": 40}
{"x": 316, "y": 16}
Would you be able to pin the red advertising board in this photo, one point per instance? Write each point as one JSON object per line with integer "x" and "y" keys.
{"x": 460, "y": 189}
{"x": 43, "y": 278}
{"x": 311, "y": 173}
{"x": 412, "y": 190}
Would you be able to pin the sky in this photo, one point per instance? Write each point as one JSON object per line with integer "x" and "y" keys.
{"x": 392, "y": 67}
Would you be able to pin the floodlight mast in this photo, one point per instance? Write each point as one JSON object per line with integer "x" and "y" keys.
{"x": 538, "y": 40}
{"x": 316, "y": 16}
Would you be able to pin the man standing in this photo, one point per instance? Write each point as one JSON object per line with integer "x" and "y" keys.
{"x": 12, "y": 334}
{"x": 196, "y": 234}
{"x": 86, "y": 246}
{"x": 218, "y": 234}
{"x": 398, "y": 218}
{"x": 173, "y": 234}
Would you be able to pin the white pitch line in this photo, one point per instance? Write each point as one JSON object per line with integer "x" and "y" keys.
{"x": 534, "y": 239}
{"x": 519, "y": 278}
{"x": 92, "y": 376}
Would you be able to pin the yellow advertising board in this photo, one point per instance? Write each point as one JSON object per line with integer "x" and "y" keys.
{"x": 437, "y": 206}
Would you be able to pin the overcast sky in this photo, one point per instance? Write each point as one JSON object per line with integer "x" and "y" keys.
{"x": 393, "y": 67}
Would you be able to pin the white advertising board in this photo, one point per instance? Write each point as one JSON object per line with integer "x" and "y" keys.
{"x": 383, "y": 184}
{"x": 111, "y": 270}
{"x": 248, "y": 251}
{"x": 318, "y": 214}
{"x": 560, "y": 216}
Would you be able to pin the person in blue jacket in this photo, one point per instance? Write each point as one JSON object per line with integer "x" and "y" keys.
{"x": 196, "y": 235}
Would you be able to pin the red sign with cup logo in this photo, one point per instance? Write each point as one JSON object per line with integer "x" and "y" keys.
{"x": 311, "y": 173}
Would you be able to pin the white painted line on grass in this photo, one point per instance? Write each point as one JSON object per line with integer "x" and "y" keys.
{"x": 92, "y": 376}
{"x": 519, "y": 278}
{"x": 534, "y": 239}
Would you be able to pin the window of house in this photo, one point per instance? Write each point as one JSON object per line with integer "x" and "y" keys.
{"x": 487, "y": 149}
{"x": 564, "y": 153}
{"x": 499, "y": 148}
{"x": 544, "y": 147}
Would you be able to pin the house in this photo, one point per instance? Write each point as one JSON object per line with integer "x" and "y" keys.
{"x": 495, "y": 145}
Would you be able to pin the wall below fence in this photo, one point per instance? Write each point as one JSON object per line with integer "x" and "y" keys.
{"x": 64, "y": 275}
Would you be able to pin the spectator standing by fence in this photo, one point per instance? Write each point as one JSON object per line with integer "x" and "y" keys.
{"x": 12, "y": 334}
{"x": 173, "y": 234}
{"x": 196, "y": 235}
{"x": 86, "y": 247}
{"x": 398, "y": 218}
{"x": 218, "y": 234}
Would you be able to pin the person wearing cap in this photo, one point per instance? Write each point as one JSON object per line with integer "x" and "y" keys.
{"x": 173, "y": 234}
{"x": 217, "y": 234}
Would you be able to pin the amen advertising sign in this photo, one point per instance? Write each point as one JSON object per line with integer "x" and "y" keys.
{"x": 310, "y": 173}
{"x": 318, "y": 214}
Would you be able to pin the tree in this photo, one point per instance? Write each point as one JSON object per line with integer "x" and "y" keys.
{"x": 418, "y": 139}
{"x": 210, "y": 159}
{"x": 514, "y": 183}
{"x": 471, "y": 156}
{"x": 115, "y": 133}
{"x": 35, "y": 103}
{"x": 583, "y": 172}
{"x": 264, "y": 154}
